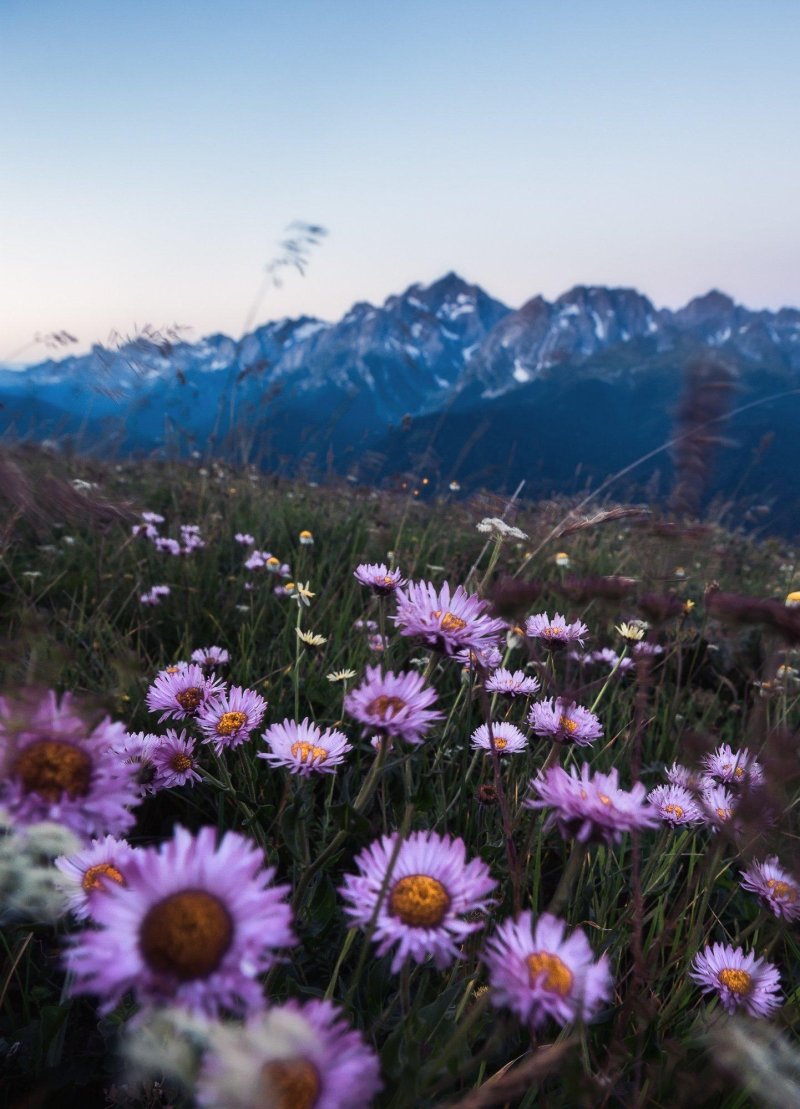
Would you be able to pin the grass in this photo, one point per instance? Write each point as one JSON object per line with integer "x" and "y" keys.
{"x": 74, "y": 622}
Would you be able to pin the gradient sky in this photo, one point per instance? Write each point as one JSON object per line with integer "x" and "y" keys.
{"x": 154, "y": 151}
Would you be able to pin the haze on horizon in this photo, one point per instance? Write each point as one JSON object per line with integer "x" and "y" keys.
{"x": 155, "y": 154}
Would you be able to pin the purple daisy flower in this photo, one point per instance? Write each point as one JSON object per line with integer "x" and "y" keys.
{"x": 58, "y": 767}
{"x": 475, "y": 661}
{"x": 243, "y": 538}
{"x": 210, "y": 656}
{"x": 740, "y": 981}
{"x": 304, "y": 748}
{"x": 431, "y": 888}
{"x": 291, "y": 1055}
{"x": 678, "y": 775}
{"x": 564, "y": 722}
{"x": 507, "y": 684}
{"x": 676, "y": 805}
{"x": 182, "y": 693}
{"x": 136, "y": 749}
{"x": 164, "y": 543}
{"x": 92, "y": 871}
{"x": 591, "y": 807}
{"x": 446, "y": 621}
{"x": 195, "y": 925}
{"x": 508, "y": 740}
{"x": 380, "y": 579}
{"x": 396, "y": 705}
{"x": 718, "y": 805}
{"x": 775, "y": 886}
{"x": 556, "y": 632}
{"x": 537, "y": 973}
{"x": 733, "y": 767}
{"x": 227, "y": 720}
{"x": 174, "y": 761}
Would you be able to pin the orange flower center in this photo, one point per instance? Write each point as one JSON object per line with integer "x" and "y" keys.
{"x": 419, "y": 901}
{"x": 289, "y": 1084}
{"x": 568, "y": 724}
{"x": 307, "y": 752}
{"x": 51, "y": 767}
{"x": 385, "y": 704}
{"x": 231, "y": 722}
{"x": 604, "y": 800}
{"x": 557, "y": 975}
{"x": 552, "y": 632}
{"x": 180, "y": 763}
{"x": 189, "y": 698}
{"x": 499, "y": 742}
{"x": 736, "y": 979}
{"x": 676, "y": 810}
{"x": 449, "y": 622}
{"x": 93, "y": 877}
{"x": 724, "y": 814}
{"x": 186, "y": 935}
{"x": 782, "y": 890}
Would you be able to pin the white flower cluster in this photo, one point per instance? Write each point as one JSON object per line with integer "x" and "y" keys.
{"x": 31, "y": 889}
{"x": 495, "y": 526}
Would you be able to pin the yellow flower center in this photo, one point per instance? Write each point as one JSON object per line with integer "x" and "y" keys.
{"x": 449, "y": 622}
{"x": 231, "y": 722}
{"x": 736, "y": 979}
{"x": 289, "y": 1084}
{"x": 552, "y": 632}
{"x": 307, "y": 752}
{"x": 51, "y": 768}
{"x": 676, "y": 810}
{"x": 568, "y": 724}
{"x": 782, "y": 890}
{"x": 186, "y": 935}
{"x": 604, "y": 800}
{"x": 189, "y": 698}
{"x": 93, "y": 877}
{"x": 557, "y": 975}
{"x": 738, "y": 772}
{"x": 724, "y": 814}
{"x": 499, "y": 742}
{"x": 419, "y": 901}
{"x": 385, "y": 704}
{"x": 180, "y": 763}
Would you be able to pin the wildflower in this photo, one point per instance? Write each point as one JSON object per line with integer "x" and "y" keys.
{"x": 152, "y": 518}
{"x": 431, "y": 888}
{"x": 475, "y": 661}
{"x": 556, "y": 632}
{"x": 365, "y": 625}
{"x": 306, "y": 539}
{"x": 304, "y": 748}
{"x": 255, "y": 561}
{"x": 563, "y": 722}
{"x": 163, "y": 543}
{"x": 340, "y": 675}
{"x": 679, "y": 775}
{"x": 147, "y": 530}
{"x": 228, "y": 719}
{"x": 675, "y": 805}
{"x": 591, "y": 807}
{"x": 174, "y": 761}
{"x": 507, "y": 739}
{"x": 493, "y": 525}
{"x": 311, "y": 639}
{"x": 154, "y": 595}
{"x": 136, "y": 749}
{"x": 633, "y": 631}
{"x": 58, "y": 767}
{"x": 687, "y": 607}
{"x": 650, "y": 650}
{"x": 210, "y": 656}
{"x": 517, "y": 684}
{"x": 793, "y": 599}
{"x": 31, "y": 889}
{"x": 733, "y": 767}
{"x": 92, "y": 871}
{"x": 396, "y": 705}
{"x": 611, "y": 659}
{"x": 273, "y": 564}
{"x": 292, "y": 1055}
{"x": 380, "y": 579}
{"x": 562, "y": 560}
{"x": 218, "y": 896}
{"x": 377, "y": 642}
{"x": 454, "y": 487}
{"x": 181, "y": 694}
{"x": 446, "y": 621}
{"x": 740, "y": 981}
{"x": 775, "y": 886}
{"x": 718, "y": 804}
{"x": 301, "y": 592}
{"x": 538, "y": 973}
{"x": 243, "y": 538}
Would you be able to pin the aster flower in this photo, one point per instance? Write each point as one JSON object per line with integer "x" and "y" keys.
{"x": 395, "y": 705}
{"x": 538, "y": 973}
{"x": 255, "y": 561}
{"x": 244, "y": 539}
{"x": 733, "y": 767}
{"x": 292, "y": 1055}
{"x": 591, "y": 807}
{"x": 508, "y": 740}
{"x": 563, "y": 722}
{"x": 304, "y": 748}
{"x": 646, "y": 649}
{"x": 182, "y": 693}
{"x": 488, "y": 658}
{"x": 446, "y": 621}
{"x": 507, "y": 684}
{"x": 153, "y": 596}
{"x": 718, "y": 805}
{"x": 228, "y": 719}
{"x": 89, "y": 873}
{"x": 380, "y": 579}
{"x": 775, "y": 886}
{"x": 432, "y": 887}
{"x": 740, "y": 981}
{"x": 195, "y": 924}
{"x": 676, "y": 805}
{"x": 679, "y": 775}
{"x": 174, "y": 761}
{"x": 152, "y": 518}
{"x": 56, "y": 766}
{"x": 136, "y": 749}
{"x": 556, "y": 632}
{"x": 163, "y": 543}
{"x": 210, "y": 656}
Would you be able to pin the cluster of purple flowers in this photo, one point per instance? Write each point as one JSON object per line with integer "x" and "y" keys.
{"x": 190, "y": 538}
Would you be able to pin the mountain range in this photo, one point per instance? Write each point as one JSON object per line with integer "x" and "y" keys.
{"x": 445, "y": 378}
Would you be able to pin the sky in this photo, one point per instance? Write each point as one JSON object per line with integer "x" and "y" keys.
{"x": 153, "y": 154}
